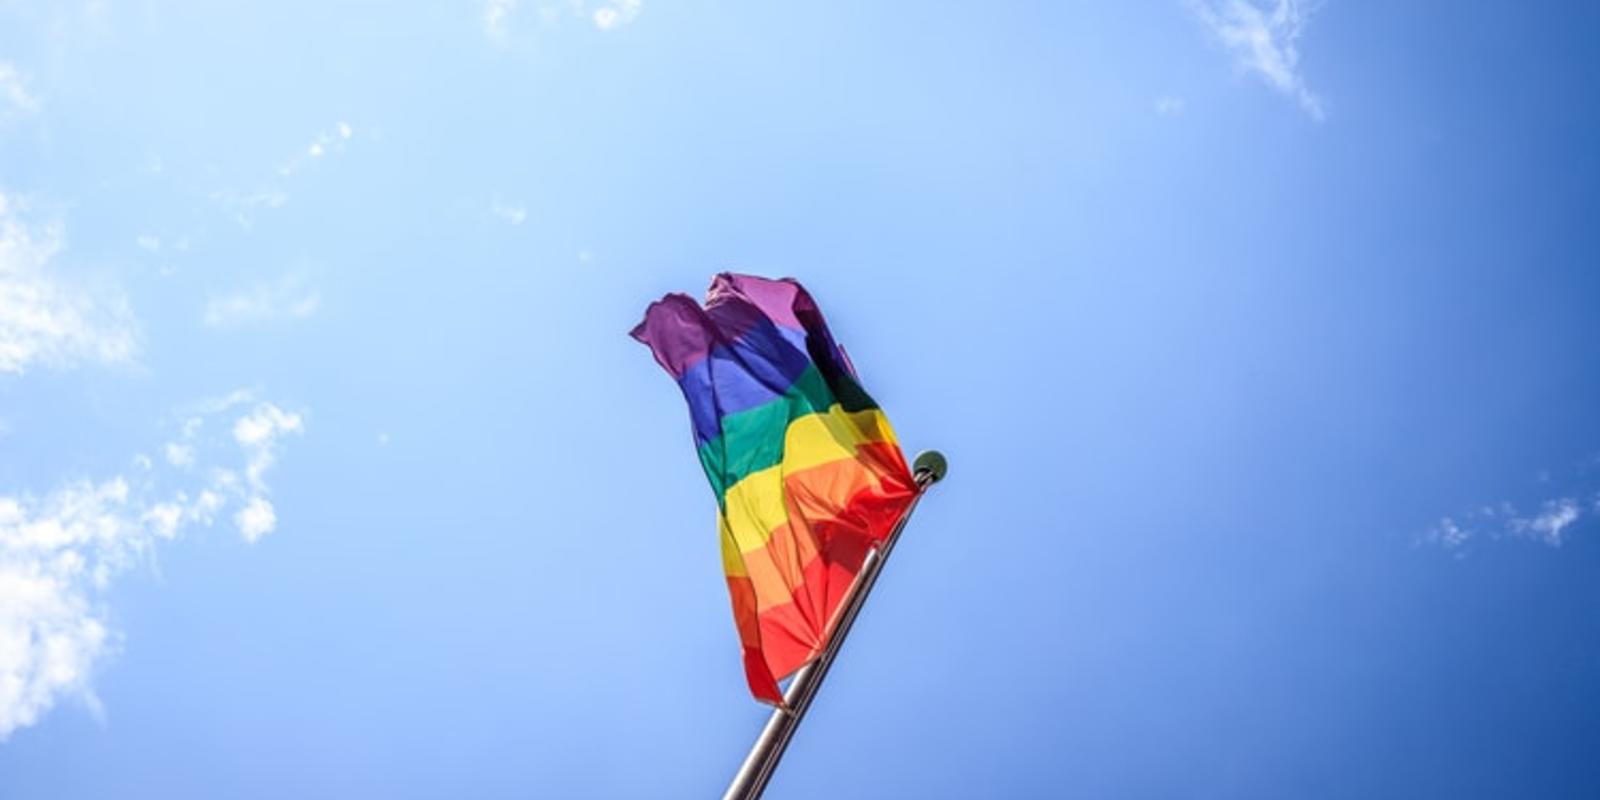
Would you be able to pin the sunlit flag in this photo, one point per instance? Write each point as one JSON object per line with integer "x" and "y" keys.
{"x": 807, "y": 472}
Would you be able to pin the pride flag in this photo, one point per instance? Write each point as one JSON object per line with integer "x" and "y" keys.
{"x": 807, "y": 472}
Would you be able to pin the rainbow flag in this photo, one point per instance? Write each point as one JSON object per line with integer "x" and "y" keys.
{"x": 807, "y": 472}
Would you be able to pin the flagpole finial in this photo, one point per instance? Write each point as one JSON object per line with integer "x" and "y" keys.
{"x": 930, "y": 463}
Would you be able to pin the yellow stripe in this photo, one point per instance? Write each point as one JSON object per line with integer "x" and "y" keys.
{"x": 732, "y": 562}
{"x": 754, "y": 506}
{"x": 831, "y": 435}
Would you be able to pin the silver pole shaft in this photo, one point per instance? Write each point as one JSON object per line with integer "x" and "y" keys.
{"x": 751, "y": 780}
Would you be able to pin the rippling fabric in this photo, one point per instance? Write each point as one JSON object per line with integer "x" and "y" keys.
{"x": 806, "y": 470}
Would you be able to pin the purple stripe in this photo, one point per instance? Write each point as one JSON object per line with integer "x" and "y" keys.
{"x": 677, "y": 331}
{"x": 788, "y": 304}
{"x": 681, "y": 333}
{"x": 743, "y": 349}
{"x": 776, "y": 299}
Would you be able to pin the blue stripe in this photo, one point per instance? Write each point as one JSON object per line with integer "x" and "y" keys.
{"x": 756, "y": 368}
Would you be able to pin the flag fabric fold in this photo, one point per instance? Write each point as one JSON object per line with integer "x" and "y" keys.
{"x": 806, "y": 470}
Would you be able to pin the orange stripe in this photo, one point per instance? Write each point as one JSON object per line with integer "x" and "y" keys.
{"x": 837, "y": 490}
{"x": 786, "y": 591}
{"x": 776, "y": 569}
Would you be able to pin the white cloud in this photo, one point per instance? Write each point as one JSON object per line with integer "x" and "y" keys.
{"x": 148, "y": 242}
{"x": 513, "y": 214}
{"x": 165, "y": 518}
{"x": 495, "y": 16}
{"x": 59, "y": 552}
{"x": 14, "y": 95}
{"x": 286, "y": 298}
{"x": 262, "y": 426}
{"x": 1167, "y": 105}
{"x": 616, "y": 13}
{"x": 1550, "y": 524}
{"x": 205, "y": 507}
{"x": 1448, "y": 534}
{"x": 270, "y": 198}
{"x": 324, "y": 143}
{"x": 215, "y": 405}
{"x": 606, "y": 15}
{"x": 179, "y": 455}
{"x": 272, "y": 193}
{"x": 1262, "y": 35}
{"x": 44, "y": 319}
{"x": 256, "y": 519}
{"x": 258, "y": 433}
{"x": 246, "y": 206}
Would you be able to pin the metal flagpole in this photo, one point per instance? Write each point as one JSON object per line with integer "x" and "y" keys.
{"x": 757, "y": 769}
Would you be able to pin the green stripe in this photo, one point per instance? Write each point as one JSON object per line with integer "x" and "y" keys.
{"x": 752, "y": 440}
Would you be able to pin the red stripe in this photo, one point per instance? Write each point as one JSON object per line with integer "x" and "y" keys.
{"x": 837, "y": 512}
{"x": 762, "y": 683}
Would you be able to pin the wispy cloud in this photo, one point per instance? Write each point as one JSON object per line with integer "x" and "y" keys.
{"x": 285, "y": 298}
{"x": 1552, "y": 523}
{"x": 44, "y": 319}
{"x": 272, "y": 193}
{"x": 256, "y": 519}
{"x": 179, "y": 454}
{"x": 1169, "y": 105}
{"x": 323, "y": 144}
{"x": 245, "y": 207}
{"x": 496, "y": 18}
{"x": 257, "y": 435}
{"x": 59, "y": 552}
{"x": 616, "y": 13}
{"x": 1448, "y": 534}
{"x": 1263, "y": 37}
{"x": 15, "y": 99}
{"x": 511, "y": 213}
{"x": 605, "y": 15}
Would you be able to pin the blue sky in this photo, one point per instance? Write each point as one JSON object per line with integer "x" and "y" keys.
{"x": 1259, "y": 334}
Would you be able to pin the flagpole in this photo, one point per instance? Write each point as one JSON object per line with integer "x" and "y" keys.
{"x": 751, "y": 780}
